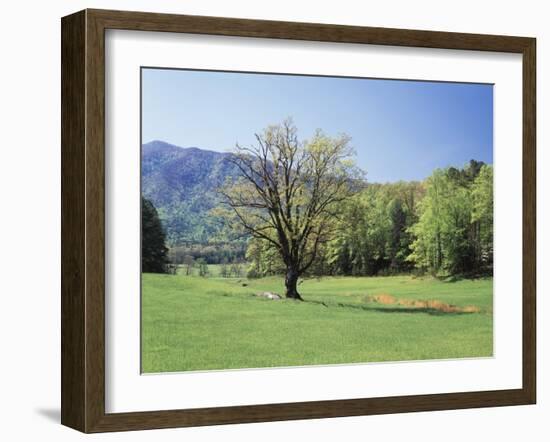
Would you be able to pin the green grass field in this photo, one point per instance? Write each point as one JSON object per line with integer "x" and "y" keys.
{"x": 194, "y": 323}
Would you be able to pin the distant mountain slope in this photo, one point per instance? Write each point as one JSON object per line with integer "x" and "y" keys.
{"x": 182, "y": 183}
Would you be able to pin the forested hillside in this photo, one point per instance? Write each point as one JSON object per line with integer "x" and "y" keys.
{"x": 181, "y": 183}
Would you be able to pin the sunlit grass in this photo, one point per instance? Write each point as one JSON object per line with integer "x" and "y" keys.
{"x": 194, "y": 323}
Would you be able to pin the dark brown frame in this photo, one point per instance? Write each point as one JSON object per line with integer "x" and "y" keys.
{"x": 83, "y": 217}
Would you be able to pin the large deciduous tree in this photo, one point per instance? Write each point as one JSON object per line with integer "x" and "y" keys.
{"x": 288, "y": 192}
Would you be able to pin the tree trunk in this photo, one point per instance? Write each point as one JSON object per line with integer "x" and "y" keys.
{"x": 439, "y": 251}
{"x": 291, "y": 281}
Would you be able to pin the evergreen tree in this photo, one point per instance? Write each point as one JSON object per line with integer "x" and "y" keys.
{"x": 153, "y": 248}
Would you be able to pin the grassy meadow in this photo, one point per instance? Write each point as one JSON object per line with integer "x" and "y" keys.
{"x": 197, "y": 323}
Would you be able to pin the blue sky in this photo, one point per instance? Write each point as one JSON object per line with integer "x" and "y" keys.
{"x": 401, "y": 130}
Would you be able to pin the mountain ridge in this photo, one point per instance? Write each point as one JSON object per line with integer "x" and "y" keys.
{"x": 181, "y": 182}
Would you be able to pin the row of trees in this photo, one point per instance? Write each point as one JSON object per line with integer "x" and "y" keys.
{"x": 305, "y": 208}
{"x": 375, "y": 236}
{"x": 443, "y": 225}
{"x": 371, "y": 235}
{"x": 454, "y": 234}
{"x": 227, "y": 269}
{"x": 157, "y": 258}
{"x": 212, "y": 253}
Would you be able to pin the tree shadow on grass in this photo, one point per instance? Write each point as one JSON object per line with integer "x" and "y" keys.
{"x": 464, "y": 277}
{"x": 372, "y": 308}
{"x": 425, "y": 310}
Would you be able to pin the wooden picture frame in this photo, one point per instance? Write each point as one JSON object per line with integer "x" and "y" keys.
{"x": 83, "y": 220}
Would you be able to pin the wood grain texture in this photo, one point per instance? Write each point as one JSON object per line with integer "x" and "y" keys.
{"x": 73, "y": 253}
{"x": 83, "y": 220}
{"x": 529, "y": 221}
{"x": 145, "y": 21}
{"x": 95, "y": 221}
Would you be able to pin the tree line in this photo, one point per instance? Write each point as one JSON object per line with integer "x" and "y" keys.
{"x": 192, "y": 258}
{"x": 442, "y": 226}
{"x": 212, "y": 252}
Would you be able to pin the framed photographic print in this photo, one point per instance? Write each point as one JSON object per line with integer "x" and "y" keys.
{"x": 271, "y": 220}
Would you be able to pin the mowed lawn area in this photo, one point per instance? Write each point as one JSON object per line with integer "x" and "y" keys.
{"x": 195, "y": 323}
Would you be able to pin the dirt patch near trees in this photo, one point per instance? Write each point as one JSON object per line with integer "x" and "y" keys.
{"x": 430, "y": 304}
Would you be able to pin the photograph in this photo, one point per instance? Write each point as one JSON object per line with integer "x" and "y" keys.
{"x": 296, "y": 220}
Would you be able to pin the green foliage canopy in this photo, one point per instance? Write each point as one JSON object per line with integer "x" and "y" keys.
{"x": 454, "y": 232}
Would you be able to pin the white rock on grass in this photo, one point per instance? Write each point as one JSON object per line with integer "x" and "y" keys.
{"x": 269, "y": 295}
